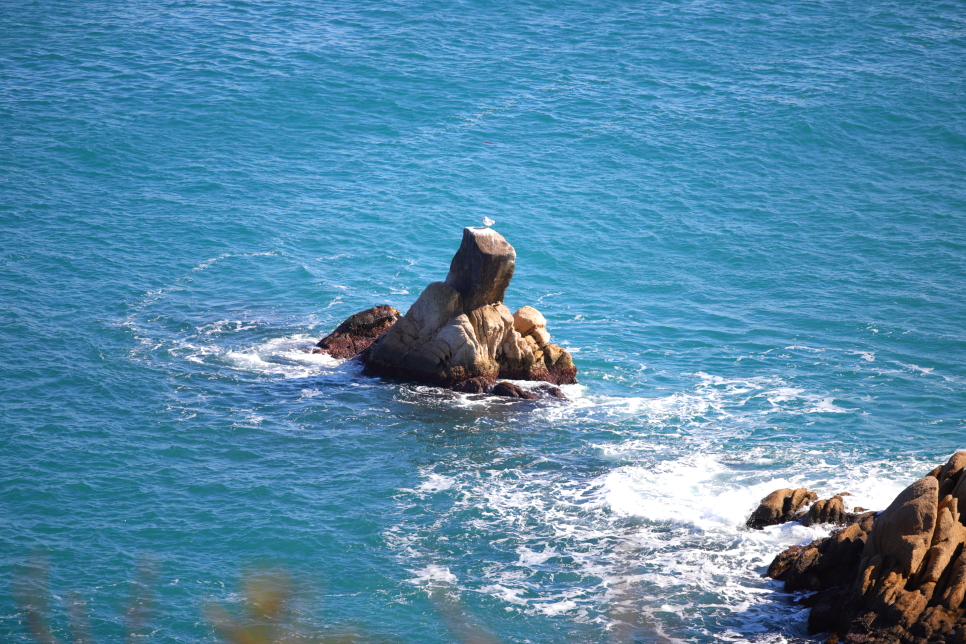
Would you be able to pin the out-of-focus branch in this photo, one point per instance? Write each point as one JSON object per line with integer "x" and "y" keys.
{"x": 266, "y": 607}
{"x": 629, "y": 623}
{"x": 31, "y": 589}
{"x": 267, "y": 598}
{"x": 460, "y": 622}
{"x": 142, "y": 597}
{"x": 78, "y": 619}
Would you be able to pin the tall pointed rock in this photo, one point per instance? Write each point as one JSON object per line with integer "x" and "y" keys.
{"x": 458, "y": 333}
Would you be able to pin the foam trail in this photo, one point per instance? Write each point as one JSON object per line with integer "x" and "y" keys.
{"x": 670, "y": 523}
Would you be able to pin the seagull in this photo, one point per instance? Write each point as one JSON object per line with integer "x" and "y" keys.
{"x": 488, "y": 222}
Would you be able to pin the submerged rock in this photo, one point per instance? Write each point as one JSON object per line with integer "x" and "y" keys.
{"x": 473, "y": 386}
{"x": 549, "y": 391}
{"x": 354, "y": 336}
{"x": 897, "y": 577}
{"x": 459, "y": 333}
{"x": 511, "y": 390}
{"x": 480, "y": 386}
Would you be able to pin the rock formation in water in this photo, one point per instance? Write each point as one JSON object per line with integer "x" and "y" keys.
{"x": 786, "y": 504}
{"x": 354, "y": 336}
{"x": 459, "y": 334}
{"x": 829, "y": 511}
{"x": 780, "y": 507}
{"x": 510, "y": 390}
{"x": 898, "y": 576}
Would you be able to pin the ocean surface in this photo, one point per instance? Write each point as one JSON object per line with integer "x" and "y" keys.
{"x": 746, "y": 220}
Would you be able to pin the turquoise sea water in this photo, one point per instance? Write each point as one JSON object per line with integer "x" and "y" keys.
{"x": 745, "y": 220}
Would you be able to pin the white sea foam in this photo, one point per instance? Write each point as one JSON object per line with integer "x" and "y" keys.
{"x": 227, "y": 326}
{"x": 509, "y": 595}
{"x": 683, "y": 492}
{"x": 667, "y": 524}
{"x": 826, "y": 406}
{"x": 287, "y": 357}
{"x": 208, "y": 263}
{"x": 914, "y": 367}
{"x": 432, "y": 575}
{"x": 656, "y": 521}
{"x": 737, "y": 400}
{"x": 434, "y": 483}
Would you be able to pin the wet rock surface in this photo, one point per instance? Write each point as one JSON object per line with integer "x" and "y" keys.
{"x": 511, "y": 390}
{"x": 827, "y": 562}
{"x": 480, "y": 386}
{"x": 549, "y": 391}
{"x": 780, "y": 506}
{"x": 473, "y": 386}
{"x": 898, "y": 576}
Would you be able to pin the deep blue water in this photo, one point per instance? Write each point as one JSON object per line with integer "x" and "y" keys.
{"x": 745, "y": 219}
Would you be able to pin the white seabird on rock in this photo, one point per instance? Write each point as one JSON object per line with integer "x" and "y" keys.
{"x": 488, "y": 222}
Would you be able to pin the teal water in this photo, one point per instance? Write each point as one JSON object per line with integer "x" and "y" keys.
{"x": 745, "y": 220}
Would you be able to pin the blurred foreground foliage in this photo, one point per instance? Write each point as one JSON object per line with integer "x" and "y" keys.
{"x": 265, "y": 611}
{"x": 266, "y": 615}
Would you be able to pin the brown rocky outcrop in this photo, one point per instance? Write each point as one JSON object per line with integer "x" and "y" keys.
{"x": 473, "y": 386}
{"x": 480, "y": 386}
{"x": 550, "y": 362}
{"x": 828, "y": 562}
{"x": 899, "y": 577}
{"x": 828, "y": 511}
{"x": 780, "y": 506}
{"x": 458, "y": 333}
{"x": 786, "y": 504}
{"x": 482, "y": 268}
{"x": 354, "y": 336}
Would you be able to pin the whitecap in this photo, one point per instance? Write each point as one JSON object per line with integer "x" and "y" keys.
{"x": 286, "y": 357}
{"x": 432, "y": 575}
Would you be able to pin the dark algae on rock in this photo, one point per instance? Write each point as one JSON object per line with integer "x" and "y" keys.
{"x": 896, "y": 577}
{"x": 354, "y": 336}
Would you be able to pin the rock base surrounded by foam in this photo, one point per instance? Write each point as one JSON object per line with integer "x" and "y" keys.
{"x": 898, "y": 576}
{"x": 459, "y": 334}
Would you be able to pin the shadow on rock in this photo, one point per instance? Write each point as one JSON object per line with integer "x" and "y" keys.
{"x": 898, "y": 576}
